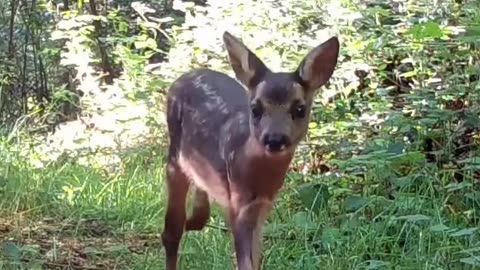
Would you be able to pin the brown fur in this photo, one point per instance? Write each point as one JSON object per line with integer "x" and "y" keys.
{"x": 235, "y": 148}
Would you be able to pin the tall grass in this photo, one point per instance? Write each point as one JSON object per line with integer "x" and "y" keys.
{"x": 116, "y": 221}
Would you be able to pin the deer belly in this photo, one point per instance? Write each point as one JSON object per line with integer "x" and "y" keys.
{"x": 205, "y": 176}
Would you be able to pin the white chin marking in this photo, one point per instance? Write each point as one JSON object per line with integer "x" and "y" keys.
{"x": 280, "y": 152}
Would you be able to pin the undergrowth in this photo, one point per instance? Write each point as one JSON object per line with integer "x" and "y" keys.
{"x": 66, "y": 214}
{"x": 388, "y": 177}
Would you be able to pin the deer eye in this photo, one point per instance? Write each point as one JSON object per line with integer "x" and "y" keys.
{"x": 257, "y": 110}
{"x": 298, "y": 111}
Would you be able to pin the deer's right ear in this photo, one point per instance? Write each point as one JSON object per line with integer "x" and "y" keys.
{"x": 248, "y": 68}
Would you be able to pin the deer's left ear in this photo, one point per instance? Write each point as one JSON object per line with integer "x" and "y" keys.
{"x": 318, "y": 65}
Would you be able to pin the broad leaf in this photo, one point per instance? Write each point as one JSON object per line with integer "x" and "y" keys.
{"x": 353, "y": 203}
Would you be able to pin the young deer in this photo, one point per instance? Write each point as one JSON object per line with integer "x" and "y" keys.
{"x": 235, "y": 146}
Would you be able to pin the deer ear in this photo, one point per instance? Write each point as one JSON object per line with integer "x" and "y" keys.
{"x": 318, "y": 65}
{"x": 248, "y": 68}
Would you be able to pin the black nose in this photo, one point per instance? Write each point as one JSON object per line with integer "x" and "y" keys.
{"x": 275, "y": 142}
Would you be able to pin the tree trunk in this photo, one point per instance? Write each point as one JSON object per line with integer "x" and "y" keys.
{"x": 9, "y": 86}
{"x": 106, "y": 66}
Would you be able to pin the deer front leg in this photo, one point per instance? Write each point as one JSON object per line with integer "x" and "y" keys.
{"x": 247, "y": 222}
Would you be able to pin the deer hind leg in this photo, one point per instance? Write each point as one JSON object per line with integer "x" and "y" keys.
{"x": 177, "y": 184}
{"x": 247, "y": 223}
{"x": 200, "y": 211}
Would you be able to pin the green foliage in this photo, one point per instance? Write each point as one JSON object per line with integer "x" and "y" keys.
{"x": 388, "y": 176}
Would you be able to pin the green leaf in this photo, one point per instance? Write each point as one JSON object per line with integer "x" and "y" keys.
{"x": 402, "y": 181}
{"x": 464, "y": 232}
{"x": 11, "y": 250}
{"x": 396, "y": 148}
{"x": 375, "y": 264}
{"x": 457, "y": 186}
{"x": 471, "y": 260}
{"x": 472, "y": 163}
{"x": 470, "y": 250}
{"x": 439, "y": 228}
{"x": 473, "y": 196}
{"x": 414, "y": 218}
{"x": 330, "y": 236}
{"x": 119, "y": 248}
{"x": 409, "y": 74}
{"x": 314, "y": 196}
{"x": 428, "y": 29}
{"x": 472, "y": 30}
{"x": 353, "y": 203}
{"x": 302, "y": 220}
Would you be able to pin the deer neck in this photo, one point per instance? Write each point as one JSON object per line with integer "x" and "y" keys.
{"x": 257, "y": 172}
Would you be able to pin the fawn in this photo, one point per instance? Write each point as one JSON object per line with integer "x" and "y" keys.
{"x": 235, "y": 146}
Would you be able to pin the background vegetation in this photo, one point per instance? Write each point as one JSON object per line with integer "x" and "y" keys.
{"x": 388, "y": 177}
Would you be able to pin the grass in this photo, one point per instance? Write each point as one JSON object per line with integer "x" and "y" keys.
{"x": 383, "y": 211}
{"x": 70, "y": 217}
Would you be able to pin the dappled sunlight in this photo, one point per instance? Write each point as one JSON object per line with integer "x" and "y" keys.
{"x": 387, "y": 177}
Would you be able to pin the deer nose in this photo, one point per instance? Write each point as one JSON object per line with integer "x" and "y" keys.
{"x": 275, "y": 142}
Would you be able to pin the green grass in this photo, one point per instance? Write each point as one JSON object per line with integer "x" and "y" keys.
{"x": 388, "y": 209}
{"x": 67, "y": 214}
